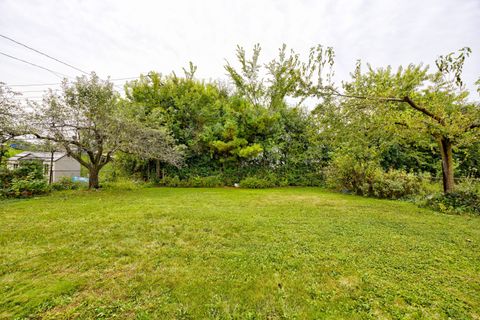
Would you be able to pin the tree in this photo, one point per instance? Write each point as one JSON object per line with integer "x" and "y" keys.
{"x": 10, "y": 118}
{"x": 285, "y": 77}
{"x": 416, "y": 104}
{"x": 278, "y": 90}
{"x": 186, "y": 106}
{"x": 91, "y": 122}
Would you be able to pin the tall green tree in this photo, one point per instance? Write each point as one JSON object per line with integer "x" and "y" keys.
{"x": 187, "y": 107}
{"x": 280, "y": 87}
{"x": 89, "y": 120}
{"x": 415, "y": 104}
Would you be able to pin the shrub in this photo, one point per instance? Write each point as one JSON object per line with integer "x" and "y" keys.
{"x": 204, "y": 182}
{"x": 464, "y": 199}
{"x": 347, "y": 175}
{"x": 256, "y": 183}
{"x": 6, "y": 177}
{"x": 22, "y": 188}
{"x": 31, "y": 169}
{"x": 306, "y": 179}
{"x": 171, "y": 182}
{"x": 66, "y": 183}
{"x": 368, "y": 179}
{"x": 124, "y": 184}
{"x": 25, "y": 181}
{"x": 192, "y": 182}
{"x": 395, "y": 184}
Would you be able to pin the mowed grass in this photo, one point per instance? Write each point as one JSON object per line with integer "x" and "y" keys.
{"x": 293, "y": 253}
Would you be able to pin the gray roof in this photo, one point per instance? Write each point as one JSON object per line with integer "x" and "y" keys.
{"x": 34, "y": 155}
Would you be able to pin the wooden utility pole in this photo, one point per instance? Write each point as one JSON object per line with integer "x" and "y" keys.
{"x": 50, "y": 180}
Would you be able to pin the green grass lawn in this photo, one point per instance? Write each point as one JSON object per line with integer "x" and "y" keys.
{"x": 293, "y": 253}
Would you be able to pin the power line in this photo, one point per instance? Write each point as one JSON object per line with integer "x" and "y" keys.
{"x": 23, "y": 98}
{"x": 35, "y": 65}
{"x": 34, "y": 85}
{"x": 54, "y": 84}
{"x": 28, "y": 91}
{"x": 43, "y": 54}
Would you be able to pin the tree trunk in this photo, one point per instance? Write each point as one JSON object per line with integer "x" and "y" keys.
{"x": 447, "y": 164}
{"x": 2, "y": 153}
{"x": 157, "y": 169}
{"x": 93, "y": 178}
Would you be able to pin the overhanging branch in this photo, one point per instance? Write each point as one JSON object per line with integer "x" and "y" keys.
{"x": 406, "y": 99}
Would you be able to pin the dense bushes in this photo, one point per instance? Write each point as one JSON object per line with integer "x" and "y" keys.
{"x": 256, "y": 183}
{"x": 25, "y": 181}
{"x": 396, "y": 184}
{"x": 250, "y": 182}
{"x": 368, "y": 179}
{"x": 192, "y": 182}
{"x": 22, "y": 188}
{"x": 66, "y": 183}
{"x": 455, "y": 202}
{"x": 465, "y": 199}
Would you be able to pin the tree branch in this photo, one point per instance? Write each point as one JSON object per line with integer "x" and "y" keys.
{"x": 473, "y": 126}
{"x": 423, "y": 110}
{"x": 406, "y": 99}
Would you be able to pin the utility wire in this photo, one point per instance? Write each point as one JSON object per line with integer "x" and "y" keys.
{"x": 34, "y": 85}
{"x": 35, "y": 65}
{"x": 54, "y": 84}
{"x": 28, "y": 91}
{"x": 43, "y": 54}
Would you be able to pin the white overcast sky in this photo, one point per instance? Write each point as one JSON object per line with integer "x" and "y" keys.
{"x": 125, "y": 38}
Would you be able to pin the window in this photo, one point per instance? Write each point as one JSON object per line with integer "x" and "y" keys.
{"x": 46, "y": 169}
{"x": 15, "y": 165}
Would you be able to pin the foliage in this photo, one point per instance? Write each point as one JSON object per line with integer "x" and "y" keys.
{"x": 26, "y": 187}
{"x": 224, "y": 133}
{"x": 11, "y": 119}
{"x": 464, "y": 199}
{"x": 368, "y": 179}
{"x": 347, "y": 174}
{"x": 205, "y": 182}
{"x": 256, "y": 183}
{"x": 192, "y": 182}
{"x": 396, "y": 184}
{"x": 89, "y": 121}
{"x": 33, "y": 169}
{"x": 25, "y": 181}
{"x": 10, "y": 114}
{"x": 179, "y": 130}
{"x": 174, "y": 181}
{"x": 410, "y": 104}
{"x": 125, "y": 184}
{"x": 66, "y": 183}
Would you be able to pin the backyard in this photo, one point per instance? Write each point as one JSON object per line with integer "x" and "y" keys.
{"x": 224, "y": 253}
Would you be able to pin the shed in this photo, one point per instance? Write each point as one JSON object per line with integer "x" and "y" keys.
{"x": 62, "y": 164}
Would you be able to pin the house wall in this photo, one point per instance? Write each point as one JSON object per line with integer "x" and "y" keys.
{"x": 65, "y": 167}
{"x": 11, "y": 164}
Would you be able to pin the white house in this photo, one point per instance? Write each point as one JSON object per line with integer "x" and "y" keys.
{"x": 62, "y": 164}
